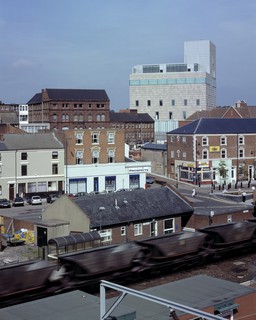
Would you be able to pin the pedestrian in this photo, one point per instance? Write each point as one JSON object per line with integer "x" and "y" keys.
{"x": 193, "y": 192}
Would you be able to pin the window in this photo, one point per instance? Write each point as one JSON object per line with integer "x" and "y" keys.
{"x": 168, "y": 226}
{"x": 54, "y": 168}
{"x": 184, "y": 115}
{"x": 138, "y": 229}
{"x": 184, "y": 154}
{"x": 111, "y": 137}
{"x": 123, "y": 231}
{"x": 148, "y": 103}
{"x": 95, "y": 155}
{"x": 241, "y": 140}
{"x": 172, "y": 154}
{"x": 205, "y": 141}
{"x": 185, "y": 102}
{"x": 79, "y": 138}
{"x": 75, "y": 117}
{"x": 173, "y": 103}
{"x": 55, "y": 155}
{"x": 223, "y": 141}
{"x": 89, "y": 117}
{"x": 137, "y": 103}
{"x": 111, "y": 156}
{"x": 184, "y": 139}
{"x": 79, "y": 157}
{"x": 198, "y": 102}
{"x": 223, "y": 153}
{"x": 81, "y": 117}
{"x": 24, "y": 170}
{"x": 161, "y": 103}
{"x": 157, "y": 115}
{"x": 24, "y": 156}
{"x": 98, "y": 117}
{"x": 54, "y": 117}
{"x": 241, "y": 152}
{"x": 205, "y": 154}
{"x": 103, "y": 117}
{"x": 106, "y": 235}
{"x": 170, "y": 115}
{"x": 95, "y": 137}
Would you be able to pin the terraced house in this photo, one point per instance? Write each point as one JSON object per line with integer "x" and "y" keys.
{"x": 213, "y": 150}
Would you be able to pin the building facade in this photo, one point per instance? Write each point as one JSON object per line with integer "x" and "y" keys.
{"x": 213, "y": 151}
{"x": 176, "y": 90}
{"x": 29, "y": 164}
{"x": 139, "y": 127}
{"x": 66, "y": 109}
{"x": 97, "y": 161}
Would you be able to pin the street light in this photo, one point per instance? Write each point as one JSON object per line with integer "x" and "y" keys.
{"x": 197, "y": 152}
{"x": 253, "y": 152}
{"x": 101, "y": 209}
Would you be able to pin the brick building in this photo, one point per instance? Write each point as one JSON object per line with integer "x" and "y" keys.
{"x": 213, "y": 150}
{"x": 70, "y": 108}
{"x": 139, "y": 127}
{"x": 96, "y": 161}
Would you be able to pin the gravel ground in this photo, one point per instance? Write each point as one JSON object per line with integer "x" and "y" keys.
{"x": 16, "y": 254}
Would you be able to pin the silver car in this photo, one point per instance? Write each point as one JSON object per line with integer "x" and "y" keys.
{"x": 35, "y": 200}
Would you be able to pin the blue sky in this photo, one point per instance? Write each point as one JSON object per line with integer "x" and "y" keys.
{"x": 95, "y": 43}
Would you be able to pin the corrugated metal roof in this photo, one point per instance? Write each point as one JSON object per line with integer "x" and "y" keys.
{"x": 218, "y": 126}
{"x": 193, "y": 292}
{"x": 28, "y": 141}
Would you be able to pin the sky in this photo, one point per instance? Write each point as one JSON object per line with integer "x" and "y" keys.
{"x": 93, "y": 44}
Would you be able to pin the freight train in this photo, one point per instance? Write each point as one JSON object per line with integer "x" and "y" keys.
{"x": 121, "y": 263}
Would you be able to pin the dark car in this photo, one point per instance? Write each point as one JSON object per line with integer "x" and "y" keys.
{"x": 5, "y": 203}
{"x": 52, "y": 197}
{"x": 18, "y": 201}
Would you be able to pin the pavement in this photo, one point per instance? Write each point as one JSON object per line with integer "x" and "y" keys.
{"x": 208, "y": 200}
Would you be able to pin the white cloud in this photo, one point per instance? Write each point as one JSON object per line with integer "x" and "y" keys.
{"x": 22, "y": 63}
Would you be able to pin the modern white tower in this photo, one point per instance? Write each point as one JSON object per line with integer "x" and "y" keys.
{"x": 174, "y": 91}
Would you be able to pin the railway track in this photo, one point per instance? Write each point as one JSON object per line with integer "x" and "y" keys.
{"x": 236, "y": 269}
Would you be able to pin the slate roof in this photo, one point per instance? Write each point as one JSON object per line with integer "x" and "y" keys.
{"x": 243, "y": 112}
{"x": 218, "y": 126}
{"x": 131, "y": 206}
{"x": 9, "y": 118}
{"x": 28, "y": 141}
{"x": 154, "y": 146}
{"x": 71, "y": 95}
{"x": 130, "y": 117}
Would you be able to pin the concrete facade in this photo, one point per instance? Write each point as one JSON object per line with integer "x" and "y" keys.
{"x": 175, "y": 91}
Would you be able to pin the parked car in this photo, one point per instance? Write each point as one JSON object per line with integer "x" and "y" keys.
{"x": 18, "y": 201}
{"x": 52, "y": 197}
{"x": 5, "y": 203}
{"x": 35, "y": 200}
{"x": 123, "y": 190}
{"x": 149, "y": 180}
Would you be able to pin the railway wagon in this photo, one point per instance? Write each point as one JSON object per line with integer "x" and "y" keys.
{"x": 25, "y": 278}
{"x": 108, "y": 263}
{"x": 229, "y": 238}
{"x": 172, "y": 251}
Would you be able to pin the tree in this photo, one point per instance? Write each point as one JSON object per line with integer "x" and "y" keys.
{"x": 222, "y": 170}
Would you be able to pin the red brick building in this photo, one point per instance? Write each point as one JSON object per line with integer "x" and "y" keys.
{"x": 70, "y": 108}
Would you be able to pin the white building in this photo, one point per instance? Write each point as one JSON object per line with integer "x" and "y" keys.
{"x": 176, "y": 90}
{"x": 30, "y": 164}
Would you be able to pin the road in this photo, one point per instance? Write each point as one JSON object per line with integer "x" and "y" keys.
{"x": 205, "y": 201}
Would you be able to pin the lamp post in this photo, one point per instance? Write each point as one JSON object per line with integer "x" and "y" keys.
{"x": 253, "y": 152}
{"x": 196, "y": 153}
{"x": 101, "y": 209}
